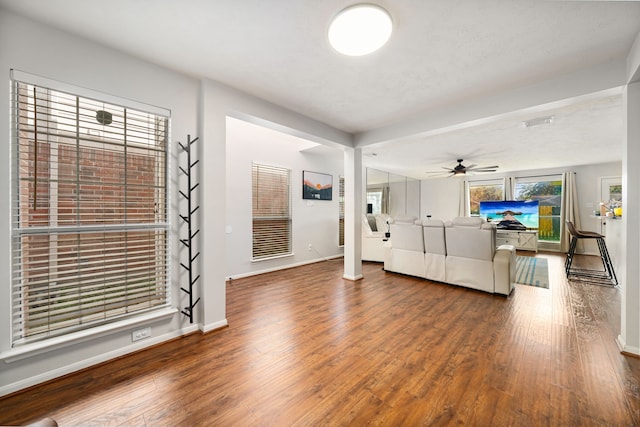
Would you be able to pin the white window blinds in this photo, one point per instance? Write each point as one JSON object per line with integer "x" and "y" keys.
{"x": 271, "y": 211}
{"x": 89, "y": 212}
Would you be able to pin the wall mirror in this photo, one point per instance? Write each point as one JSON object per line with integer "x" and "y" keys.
{"x": 392, "y": 194}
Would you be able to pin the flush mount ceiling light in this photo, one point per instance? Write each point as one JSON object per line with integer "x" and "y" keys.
{"x": 360, "y": 29}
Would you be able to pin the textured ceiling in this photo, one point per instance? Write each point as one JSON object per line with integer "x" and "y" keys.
{"x": 442, "y": 53}
{"x": 581, "y": 133}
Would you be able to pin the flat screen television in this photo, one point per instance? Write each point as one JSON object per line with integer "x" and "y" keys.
{"x": 511, "y": 214}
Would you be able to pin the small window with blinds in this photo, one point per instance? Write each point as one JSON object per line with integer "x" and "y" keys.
{"x": 89, "y": 213}
{"x": 271, "y": 211}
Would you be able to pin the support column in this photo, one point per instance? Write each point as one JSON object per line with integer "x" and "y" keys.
{"x": 353, "y": 208}
{"x": 629, "y": 338}
{"x": 212, "y": 309}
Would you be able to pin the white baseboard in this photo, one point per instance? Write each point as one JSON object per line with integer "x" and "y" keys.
{"x": 213, "y": 326}
{"x": 86, "y": 363}
{"x": 624, "y": 348}
{"x": 353, "y": 278}
{"x": 282, "y": 267}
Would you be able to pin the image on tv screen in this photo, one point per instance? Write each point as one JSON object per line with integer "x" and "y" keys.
{"x": 511, "y": 214}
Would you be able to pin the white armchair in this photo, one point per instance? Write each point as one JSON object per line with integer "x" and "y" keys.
{"x": 473, "y": 260}
{"x": 373, "y": 229}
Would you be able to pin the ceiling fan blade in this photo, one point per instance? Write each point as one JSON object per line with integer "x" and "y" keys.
{"x": 435, "y": 174}
{"x": 471, "y": 166}
{"x": 485, "y": 168}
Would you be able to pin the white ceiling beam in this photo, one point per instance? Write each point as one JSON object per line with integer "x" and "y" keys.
{"x": 633, "y": 61}
{"x": 240, "y": 105}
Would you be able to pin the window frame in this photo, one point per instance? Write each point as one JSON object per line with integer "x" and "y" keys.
{"x": 20, "y": 339}
{"x": 559, "y": 216}
{"x": 286, "y": 220}
{"x": 484, "y": 183}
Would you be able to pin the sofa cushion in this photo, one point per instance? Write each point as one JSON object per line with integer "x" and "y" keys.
{"x": 471, "y": 238}
{"x": 470, "y": 273}
{"x": 433, "y": 233}
{"x": 463, "y": 221}
{"x": 371, "y": 219}
{"x": 405, "y": 234}
{"x": 408, "y": 219}
{"x": 382, "y": 222}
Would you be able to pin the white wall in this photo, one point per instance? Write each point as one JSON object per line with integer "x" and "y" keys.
{"x": 314, "y": 222}
{"x": 440, "y": 197}
{"x": 39, "y": 50}
{"x": 413, "y": 197}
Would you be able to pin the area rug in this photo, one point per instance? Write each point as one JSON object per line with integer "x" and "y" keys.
{"x": 532, "y": 271}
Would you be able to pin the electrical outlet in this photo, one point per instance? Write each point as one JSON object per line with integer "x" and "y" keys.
{"x": 310, "y": 247}
{"x": 141, "y": 334}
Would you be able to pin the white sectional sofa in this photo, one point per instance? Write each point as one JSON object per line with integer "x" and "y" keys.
{"x": 460, "y": 252}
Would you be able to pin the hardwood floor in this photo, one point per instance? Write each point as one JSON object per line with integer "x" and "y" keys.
{"x": 305, "y": 347}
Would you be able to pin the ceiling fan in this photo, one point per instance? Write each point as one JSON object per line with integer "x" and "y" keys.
{"x": 461, "y": 169}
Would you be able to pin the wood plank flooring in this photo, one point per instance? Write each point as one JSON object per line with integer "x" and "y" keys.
{"x": 305, "y": 347}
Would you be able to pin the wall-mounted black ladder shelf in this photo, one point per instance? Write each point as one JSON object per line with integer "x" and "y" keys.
{"x": 189, "y": 242}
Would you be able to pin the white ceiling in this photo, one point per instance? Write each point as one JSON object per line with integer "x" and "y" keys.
{"x": 442, "y": 53}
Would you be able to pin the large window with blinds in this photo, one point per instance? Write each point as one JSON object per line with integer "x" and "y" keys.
{"x": 89, "y": 212}
{"x": 341, "y": 212}
{"x": 271, "y": 211}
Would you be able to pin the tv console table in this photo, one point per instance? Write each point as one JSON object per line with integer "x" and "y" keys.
{"x": 522, "y": 239}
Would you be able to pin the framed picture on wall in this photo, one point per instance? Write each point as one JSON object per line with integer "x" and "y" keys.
{"x": 317, "y": 186}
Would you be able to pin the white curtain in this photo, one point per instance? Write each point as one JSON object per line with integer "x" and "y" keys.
{"x": 385, "y": 200}
{"x": 463, "y": 200}
{"x": 508, "y": 188}
{"x": 569, "y": 210}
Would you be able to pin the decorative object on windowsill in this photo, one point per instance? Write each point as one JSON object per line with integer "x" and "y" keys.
{"x": 611, "y": 209}
{"x": 189, "y": 242}
{"x": 104, "y": 117}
